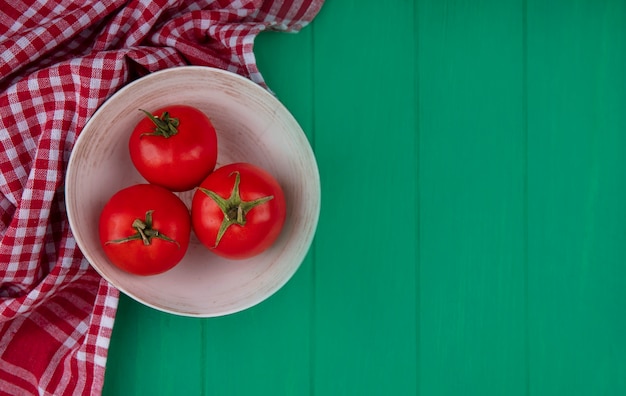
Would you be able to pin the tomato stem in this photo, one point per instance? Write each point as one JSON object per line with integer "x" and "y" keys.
{"x": 234, "y": 208}
{"x": 145, "y": 232}
{"x": 164, "y": 126}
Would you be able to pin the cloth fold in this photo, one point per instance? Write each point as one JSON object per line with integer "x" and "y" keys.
{"x": 59, "y": 61}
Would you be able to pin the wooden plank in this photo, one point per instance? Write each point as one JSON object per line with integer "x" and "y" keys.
{"x": 366, "y": 246}
{"x": 266, "y": 350}
{"x": 153, "y": 353}
{"x": 472, "y": 256}
{"x": 577, "y": 190}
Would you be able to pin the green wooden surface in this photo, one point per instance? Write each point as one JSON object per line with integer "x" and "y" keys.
{"x": 472, "y": 239}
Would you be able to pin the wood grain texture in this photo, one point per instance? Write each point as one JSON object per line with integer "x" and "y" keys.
{"x": 576, "y": 190}
{"x": 472, "y": 238}
{"x": 266, "y": 350}
{"x": 472, "y": 198}
{"x": 366, "y": 245}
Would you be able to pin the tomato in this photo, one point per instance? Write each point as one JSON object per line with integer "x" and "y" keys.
{"x": 176, "y": 147}
{"x": 145, "y": 229}
{"x": 238, "y": 211}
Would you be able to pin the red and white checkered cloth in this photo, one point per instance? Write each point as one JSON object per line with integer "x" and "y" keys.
{"x": 59, "y": 60}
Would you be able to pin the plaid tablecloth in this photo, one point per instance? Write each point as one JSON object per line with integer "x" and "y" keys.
{"x": 59, "y": 60}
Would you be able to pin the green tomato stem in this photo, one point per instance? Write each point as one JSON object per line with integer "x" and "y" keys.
{"x": 145, "y": 232}
{"x": 165, "y": 126}
{"x": 234, "y": 208}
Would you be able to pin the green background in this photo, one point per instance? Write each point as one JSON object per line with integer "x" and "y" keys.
{"x": 472, "y": 238}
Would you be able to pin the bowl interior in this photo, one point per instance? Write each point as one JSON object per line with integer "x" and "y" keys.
{"x": 252, "y": 126}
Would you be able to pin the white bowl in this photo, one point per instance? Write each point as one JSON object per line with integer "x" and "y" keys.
{"x": 252, "y": 126}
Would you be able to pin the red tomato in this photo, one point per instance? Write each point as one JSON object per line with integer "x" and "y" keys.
{"x": 238, "y": 211}
{"x": 176, "y": 147}
{"x": 145, "y": 229}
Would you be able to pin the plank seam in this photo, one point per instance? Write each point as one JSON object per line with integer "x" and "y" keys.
{"x": 312, "y": 344}
{"x": 525, "y": 192}
{"x": 418, "y": 222}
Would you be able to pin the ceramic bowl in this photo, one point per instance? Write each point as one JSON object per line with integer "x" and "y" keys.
{"x": 252, "y": 126}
